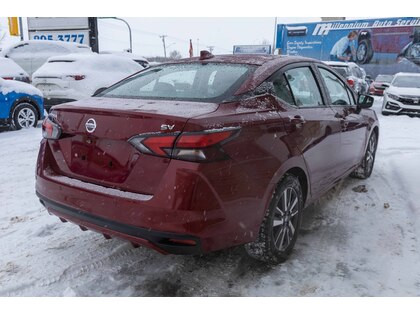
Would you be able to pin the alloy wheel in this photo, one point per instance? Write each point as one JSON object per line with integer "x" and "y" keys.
{"x": 370, "y": 153}
{"x": 26, "y": 117}
{"x": 285, "y": 219}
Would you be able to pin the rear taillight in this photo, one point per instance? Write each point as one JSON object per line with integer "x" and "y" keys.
{"x": 190, "y": 146}
{"x": 350, "y": 82}
{"x": 77, "y": 77}
{"x": 50, "y": 130}
{"x": 8, "y": 78}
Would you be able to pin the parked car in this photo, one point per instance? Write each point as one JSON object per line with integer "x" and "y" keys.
{"x": 201, "y": 154}
{"x": 356, "y": 76}
{"x": 378, "y": 86}
{"x": 9, "y": 70}
{"x": 21, "y": 104}
{"x": 137, "y": 58}
{"x": 76, "y": 76}
{"x": 32, "y": 54}
{"x": 403, "y": 95}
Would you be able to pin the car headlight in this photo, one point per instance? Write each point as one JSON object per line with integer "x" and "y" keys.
{"x": 393, "y": 96}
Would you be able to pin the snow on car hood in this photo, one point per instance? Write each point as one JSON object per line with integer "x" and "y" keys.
{"x": 7, "y": 86}
{"x": 403, "y": 91}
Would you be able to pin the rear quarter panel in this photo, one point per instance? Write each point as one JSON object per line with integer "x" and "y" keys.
{"x": 259, "y": 158}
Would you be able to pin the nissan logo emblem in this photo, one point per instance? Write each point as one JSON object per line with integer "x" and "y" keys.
{"x": 90, "y": 125}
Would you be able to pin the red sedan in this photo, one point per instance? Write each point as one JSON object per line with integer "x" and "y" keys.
{"x": 206, "y": 153}
{"x": 381, "y": 82}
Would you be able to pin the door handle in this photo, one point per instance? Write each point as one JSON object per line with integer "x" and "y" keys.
{"x": 344, "y": 124}
{"x": 297, "y": 120}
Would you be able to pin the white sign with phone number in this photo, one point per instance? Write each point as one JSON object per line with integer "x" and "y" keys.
{"x": 79, "y": 36}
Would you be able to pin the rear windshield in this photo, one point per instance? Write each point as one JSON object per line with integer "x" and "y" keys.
{"x": 407, "y": 81}
{"x": 209, "y": 82}
{"x": 342, "y": 70}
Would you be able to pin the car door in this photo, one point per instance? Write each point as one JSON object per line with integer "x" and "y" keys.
{"x": 352, "y": 124}
{"x": 311, "y": 125}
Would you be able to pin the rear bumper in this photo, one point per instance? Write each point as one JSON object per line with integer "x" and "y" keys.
{"x": 375, "y": 91}
{"x": 193, "y": 203}
{"x": 161, "y": 241}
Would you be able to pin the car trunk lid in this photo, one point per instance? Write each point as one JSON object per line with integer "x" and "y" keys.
{"x": 94, "y": 144}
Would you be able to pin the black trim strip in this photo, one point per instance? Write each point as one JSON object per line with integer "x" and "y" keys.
{"x": 159, "y": 239}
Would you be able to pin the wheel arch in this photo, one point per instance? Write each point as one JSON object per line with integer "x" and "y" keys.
{"x": 295, "y": 166}
{"x": 25, "y": 99}
{"x": 376, "y": 130}
{"x": 303, "y": 180}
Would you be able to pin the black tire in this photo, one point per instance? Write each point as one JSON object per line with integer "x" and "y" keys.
{"x": 24, "y": 116}
{"x": 364, "y": 51}
{"x": 365, "y": 169}
{"x": 280, "y": 226}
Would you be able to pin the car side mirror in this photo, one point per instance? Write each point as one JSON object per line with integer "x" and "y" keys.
{"x": 387, "y": 85}
{"x": 265, "y": 88}
{"x": 365, "y": 101}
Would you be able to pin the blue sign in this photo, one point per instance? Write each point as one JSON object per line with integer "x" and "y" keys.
{"x": 252, "y": 49}
{"x": 386, "y": 45}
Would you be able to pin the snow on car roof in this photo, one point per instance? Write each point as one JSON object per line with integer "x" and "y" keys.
{"x": 68, "y": 45}
{"x": 9, "y": 68}
{"x": 8, "y": 86}
{"x": 95, "y": 60}
{"x": 340, "y": 63}
{"x": 407, "y": 74}
{"x": 87, "y": 63}
{"x": 124, "y": 54}
{"x": 267, "y": 64}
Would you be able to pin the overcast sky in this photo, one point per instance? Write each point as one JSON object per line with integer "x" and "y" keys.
{"x": 222, "y": 33}
{"x": 216, "y": 29}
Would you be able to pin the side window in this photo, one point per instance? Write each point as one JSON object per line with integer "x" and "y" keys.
{"x": 282, "y": 89}
{"x": 304, "y": 87}
{"x": 351, "y": 96}
{"x": 335, "y": 88}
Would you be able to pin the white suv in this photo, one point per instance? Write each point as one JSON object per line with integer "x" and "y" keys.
{"x": 76, "y": 76}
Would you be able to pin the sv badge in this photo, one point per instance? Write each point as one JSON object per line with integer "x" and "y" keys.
{"x": 166, "y": 127}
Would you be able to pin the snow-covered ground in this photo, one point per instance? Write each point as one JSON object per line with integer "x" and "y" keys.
{"x": 352, "y": 243}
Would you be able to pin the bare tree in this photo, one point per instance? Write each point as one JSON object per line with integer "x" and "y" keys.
{"x": 175, "y": 54}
